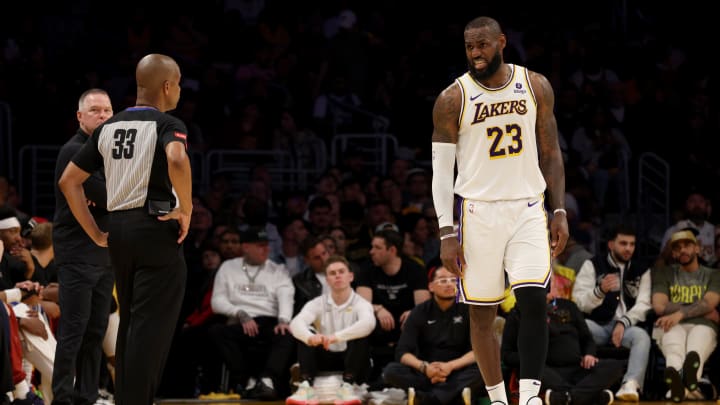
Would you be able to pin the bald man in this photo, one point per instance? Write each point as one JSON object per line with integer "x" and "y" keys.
{"x": 142, "y": 151}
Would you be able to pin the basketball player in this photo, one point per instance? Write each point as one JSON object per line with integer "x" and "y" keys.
{"x": 497, "y": 121}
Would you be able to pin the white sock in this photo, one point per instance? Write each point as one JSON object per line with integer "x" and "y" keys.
{"x": 497, "y": 393}
{"x": 528, "y": 389}
{"x": 250, "y": 383}
{"x": 267, "y": 381}
{"x": 21, "y": 390}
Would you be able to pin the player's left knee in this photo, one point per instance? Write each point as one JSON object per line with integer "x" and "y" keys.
{"x": 531, "y": 300}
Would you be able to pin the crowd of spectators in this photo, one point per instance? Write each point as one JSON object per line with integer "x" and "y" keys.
{"x": 270, "y": 74}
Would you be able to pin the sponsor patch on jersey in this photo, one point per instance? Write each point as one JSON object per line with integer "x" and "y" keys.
{"x": 182, "y": 136}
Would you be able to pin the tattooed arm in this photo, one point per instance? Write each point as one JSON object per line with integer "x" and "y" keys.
{"x": 672, "y": 313}
{"x": 446, "y": 114}
{"x": 672, "y": 307}
{"x": 550, "y": 156}
{"x": 701, "y": 307}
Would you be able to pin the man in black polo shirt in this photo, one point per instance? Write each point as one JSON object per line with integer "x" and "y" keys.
{"x": 434, "y": 355}
{"x": 86, "y": 280}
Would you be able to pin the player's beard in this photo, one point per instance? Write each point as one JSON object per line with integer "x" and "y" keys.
{"x": 492, "y": 67}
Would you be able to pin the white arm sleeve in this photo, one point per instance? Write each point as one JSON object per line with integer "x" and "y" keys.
{"x": 443, "y": 164}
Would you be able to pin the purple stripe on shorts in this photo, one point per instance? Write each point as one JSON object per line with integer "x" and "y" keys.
{"x": 478, "y": 302}
{"x": 459, "y": 202}
{"x": 534, "y": 283}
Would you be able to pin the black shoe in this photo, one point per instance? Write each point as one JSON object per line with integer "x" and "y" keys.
{"x": 677, "y": 389}
{"x": 605, "y": 397}
{"x": 707, "y": 389}
{"x": 554, "y": 397}
{"x": 244, "y": 393}
{"x": 262, "y": 392}
{"x": 689, "y": 370}
{"x": 425, "y": 398}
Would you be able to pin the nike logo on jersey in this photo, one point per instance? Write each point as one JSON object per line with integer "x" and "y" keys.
{"x": 532, "y": 203}
{"x": 472, "y": 98}
{"x": 431, "y": 321}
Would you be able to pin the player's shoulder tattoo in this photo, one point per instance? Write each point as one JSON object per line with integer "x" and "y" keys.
{"x": 542, "y": 89}
{"x": 446, "y": 113}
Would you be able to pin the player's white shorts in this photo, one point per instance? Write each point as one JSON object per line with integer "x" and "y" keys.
{"x": 509, "y": 235}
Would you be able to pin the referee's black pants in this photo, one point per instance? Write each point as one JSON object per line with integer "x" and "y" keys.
{"x": 150, "y": 277}
{"x": 85, "y": 301}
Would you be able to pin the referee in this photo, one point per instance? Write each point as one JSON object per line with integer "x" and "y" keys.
{"x": 86, "y": 278}
{"x": 149, "y": 187}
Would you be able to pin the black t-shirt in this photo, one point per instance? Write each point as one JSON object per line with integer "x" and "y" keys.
{"x": 432, "y": 334}
{"x": 6, "y": 280}
{"x": 70, "y": 241}
{"x": 12, "y": 271}
{"x": 570, "y": 338}
{"x": 45, "y": 275}
{"x": 395, "y": 293}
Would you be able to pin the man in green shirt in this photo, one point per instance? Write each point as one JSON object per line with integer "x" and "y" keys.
{"x": 684, "y": 297}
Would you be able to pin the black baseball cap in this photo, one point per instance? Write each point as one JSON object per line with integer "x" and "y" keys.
{"x": 254, "y": 235}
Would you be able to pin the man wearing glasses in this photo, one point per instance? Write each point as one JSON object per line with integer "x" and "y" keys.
{"x": 434, "y": 358}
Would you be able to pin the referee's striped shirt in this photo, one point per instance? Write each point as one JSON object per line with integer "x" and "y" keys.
{"x": 131, "y": 147}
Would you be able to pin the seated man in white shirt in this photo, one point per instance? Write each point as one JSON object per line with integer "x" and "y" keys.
{"x": 333, "y": 331}
{"x": 256, "y": 295}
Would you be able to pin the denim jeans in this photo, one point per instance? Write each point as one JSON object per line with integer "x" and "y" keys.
{"x": 635, "y": 339}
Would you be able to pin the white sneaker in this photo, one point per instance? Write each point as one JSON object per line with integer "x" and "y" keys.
{"x": 628, "y": 392}
{"x": 346, "y": 395}
{"x": 305, "y": 395}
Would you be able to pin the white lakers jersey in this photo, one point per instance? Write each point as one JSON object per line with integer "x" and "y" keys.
{"x": 497, "y": 154}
